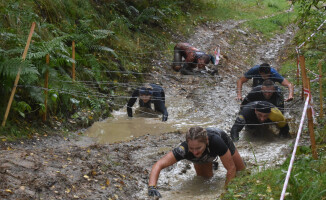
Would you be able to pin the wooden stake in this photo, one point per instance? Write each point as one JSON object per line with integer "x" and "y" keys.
{"x": 298, "y": 71}
{"x": 46, "y": 86}
{"x": 311, "y": 126}
{"x": 321, "y": 115}
{"x": 302, "y": 86}
{"x": 306, "y": 85}
{"x": 74, "y": 63}
{"x": 13, "y": 91}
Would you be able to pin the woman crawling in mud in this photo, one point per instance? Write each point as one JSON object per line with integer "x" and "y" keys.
{"x": 201, "y": 147}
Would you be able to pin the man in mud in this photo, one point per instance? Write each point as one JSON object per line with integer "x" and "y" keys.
{"x": 201, "y": 147}
{"x": 193, "y": 58}
{"x": 148, "y": 94}
{"x": 266, "y": 92}
{"x": 254, "y": 114}
{"x": 262, "y": 72}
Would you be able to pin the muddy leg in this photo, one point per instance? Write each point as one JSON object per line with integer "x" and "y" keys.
{"x": 239, "y": 164}
{"x": 204, "y": 169}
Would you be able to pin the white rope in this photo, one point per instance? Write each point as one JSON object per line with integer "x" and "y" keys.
{"x": 295, "y": 148}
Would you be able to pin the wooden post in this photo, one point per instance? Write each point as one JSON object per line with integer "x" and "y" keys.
{"x": 298, "y": 63}
{"x": 46, "y": 86}
{"x": 311, "y": 126}
{"x": 298, "y": 71}
{"x": 306, "y": 86}
{"x": 74, "y": 63}
{"x": 321, "y": 115}
{"x": 13, "y": 91}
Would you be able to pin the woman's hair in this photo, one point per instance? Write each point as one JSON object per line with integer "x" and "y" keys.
{"x": 196, "y": 133}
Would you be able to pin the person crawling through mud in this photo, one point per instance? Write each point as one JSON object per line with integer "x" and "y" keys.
{"x": 254, "y": 114}
{"x": 262, "y": 72}
{"x": 192, "y": 58}
{"x": 148, "y": 94}
{"x": 267, "y": 92}
{"x": 202, "y": 147}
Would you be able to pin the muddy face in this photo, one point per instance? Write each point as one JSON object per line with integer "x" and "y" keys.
{"x": 268, "y": 91}
{"x": 264, "y": 76}
{"x": 261, "y": 116}
{"x": 201, "y": 63}
{"x": 196, "y": 147}
{"x": 145, "y": 98}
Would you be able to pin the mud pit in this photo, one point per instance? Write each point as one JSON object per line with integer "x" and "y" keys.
{"x": 102, "y": 167}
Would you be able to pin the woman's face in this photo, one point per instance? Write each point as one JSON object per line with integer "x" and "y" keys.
{"x": 196, "y": 147}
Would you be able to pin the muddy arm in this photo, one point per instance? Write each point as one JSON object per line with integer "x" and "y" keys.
{"x": 160, "y": 106}
{"x": 229, "y": 166}
{"x": 237, "y": 127}
{"x": 164, "y": 162}
{"x": 239, "y": 87}
{"x": 249, "y": 98}
{"x": 131, "y": 102}
{"x": 287, "y": 84}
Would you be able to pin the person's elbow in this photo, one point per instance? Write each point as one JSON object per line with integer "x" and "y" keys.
{"x": 158, "y": 166}
{"x": 242, "y": 80}
{"x": 286, "y": 83}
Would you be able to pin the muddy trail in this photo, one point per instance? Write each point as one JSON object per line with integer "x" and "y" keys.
{"x": 115, "y": 161}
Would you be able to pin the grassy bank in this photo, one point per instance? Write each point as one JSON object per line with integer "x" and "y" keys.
{"x": 307, "y": 180}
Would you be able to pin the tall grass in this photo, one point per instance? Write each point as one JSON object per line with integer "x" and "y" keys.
{"x": 307, "y": 181}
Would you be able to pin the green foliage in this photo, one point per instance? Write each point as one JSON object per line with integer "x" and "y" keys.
{"x": 269, "y": 26}
{"x": 311, "y": 16}
{"x": 307, "y": 181}
{"x": 106, "y": 36}
{"x": 22, "y": 107}
{"x": 249, "y": 9}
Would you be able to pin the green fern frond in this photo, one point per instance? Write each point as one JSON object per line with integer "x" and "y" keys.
{"x": 101, "y": 34}
{"x": 103, "y": 48}
{"x": 9, "y": 68}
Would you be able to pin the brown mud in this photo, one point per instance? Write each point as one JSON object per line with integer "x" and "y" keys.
{"x": 80, "y": 167}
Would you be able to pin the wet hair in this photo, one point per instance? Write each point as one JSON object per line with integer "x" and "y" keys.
{"x": 147, "y": 89}
{"x": 265, "y": 68}
{"x": 268, "y": 83}
{"x": 197, "y": 133}
{"x": 206, "y": 57}
{"x": 263, "y": 106}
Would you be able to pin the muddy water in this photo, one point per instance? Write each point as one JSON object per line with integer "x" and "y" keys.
{"x": 208, "y": 101}
{"x": 201, "y": 105}
{"x": 122, "y": 128}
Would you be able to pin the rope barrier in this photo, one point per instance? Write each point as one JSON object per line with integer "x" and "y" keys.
{"x": 312, "y": 35}
{"x": 88, "y": 95}
{"x": 295, "y": 148}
